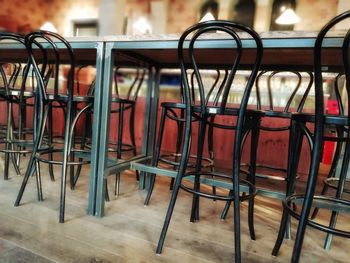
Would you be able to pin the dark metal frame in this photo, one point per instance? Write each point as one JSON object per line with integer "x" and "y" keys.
{"x": 203, "y": 110}
{"x": 316, "y": 140}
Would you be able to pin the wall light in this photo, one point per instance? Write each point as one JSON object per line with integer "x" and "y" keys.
{"x": 288, "y": 17}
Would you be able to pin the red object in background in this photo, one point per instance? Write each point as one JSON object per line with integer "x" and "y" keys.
{"x": 332, "y": 108}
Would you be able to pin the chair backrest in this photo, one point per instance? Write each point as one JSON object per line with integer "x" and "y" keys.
{"x": 9, "y": 72}
{"x": 214, "y": 84}
{"x": 293, "y": 94}
{"x": 339, "y": 103}
{"x": 79, "y": 80}
{"x": 189, "y": 61}
{"x": 135, "y": 85}
{"x": 319, "y": 65}
{"x": 232, "y": 59}
{"x": 47, "y": 61}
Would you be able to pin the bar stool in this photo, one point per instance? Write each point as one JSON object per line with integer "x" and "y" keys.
{"x": 276, "y": 107}
{"x": 175, "y": 111}
{"x": 316, "y": 141}
{"x": 18, "y": 96}
{"x": 189, "y": 59}
{"x": 121, "y": 104}
{"x": 331, "y": 180}
{"x": 58, "y": 52}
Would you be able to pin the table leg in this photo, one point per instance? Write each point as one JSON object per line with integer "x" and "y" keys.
{"x": 103, "y": 126}
{"x": 100, "y": 50}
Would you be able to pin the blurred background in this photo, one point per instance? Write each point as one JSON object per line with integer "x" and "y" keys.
{"x": 109, "y": 17}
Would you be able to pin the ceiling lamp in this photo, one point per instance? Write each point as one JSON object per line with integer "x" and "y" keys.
{"x": 207, "y": 17}
{"x": 141, "y": 26}
{"x": 288, "y": 17}
{"x": 48, "y": 26}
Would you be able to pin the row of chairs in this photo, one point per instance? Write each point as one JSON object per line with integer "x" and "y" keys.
{"x": 36, "y": 91}
{"x": 196, "y": 107}
{"x": 200, "y": 107}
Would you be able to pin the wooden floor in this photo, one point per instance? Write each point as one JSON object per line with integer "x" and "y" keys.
{"x": 129, "y": 232}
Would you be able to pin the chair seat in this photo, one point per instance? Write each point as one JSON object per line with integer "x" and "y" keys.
{"x": 121, "y": 100}
{"x": 11, "y": 92}
{"x": 64, "y": 98}
{"x": 328, "y": 119}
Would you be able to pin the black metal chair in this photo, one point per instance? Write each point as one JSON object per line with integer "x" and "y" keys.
{"x": 202, "y": 111}
{"x": 316, "y": 139}
{"x": 331, "y": 180}
{"x": 18, "y": 95}
{"x": 58, "y": 53}
{"x": 124, "y": 103}
{"x": 271, "y": 109}
{"x": 175, "y": 111}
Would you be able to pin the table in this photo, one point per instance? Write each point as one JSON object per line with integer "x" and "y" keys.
{"x": 283, "y": 51}
{"x": 294, "y": 51}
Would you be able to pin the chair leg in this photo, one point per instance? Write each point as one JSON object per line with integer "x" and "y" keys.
{"x": 106, "y": 189}
{"x": 180, "y": 127}
{"x": 156, "y": 155}
{"x": 119, "y": 146}
{"x": 295, "y": 143}
{"x": 39, "y": 128}
{"x": 38, "y": 181}
{"x": 63, "y": 187}
{"x": 132, "y": 136}
{"x": 299, "y": 238}
{"x": 71, "y": 151}
{"x": 181, "y": 171}
{"x": 50, "y": 140}
{"x": 226, "y": 208}
{"x": 82, "y": 145}
{"x": 236, "y": 216}
{"x": 68, "y": 140}
{"x": 252, "y": 170}
{"x": 117, "y": 184}
{"x": 211, "y": 148}
{"x": 196, "y": 185}
{"x": 333, "y": 168}
{"x": 281, "y": 232}
{"x": 339, "y": 193}
{"x": 29, "y": 172}
{"x": 169, "y": 214}
{"x": 6, "y": 163}
{"x": 8, "y": 139}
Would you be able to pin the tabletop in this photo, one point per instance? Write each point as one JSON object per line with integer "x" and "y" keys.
{"x": 294, "y": 49}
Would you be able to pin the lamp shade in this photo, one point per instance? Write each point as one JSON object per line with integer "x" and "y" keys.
{"x": 207, "y": 17}
{"x": 288, "y": 17}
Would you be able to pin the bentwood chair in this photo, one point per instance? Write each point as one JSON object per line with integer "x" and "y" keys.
{"x": 189, "y": 60}
{"x": 174, "y": 111}
{"x": 18, "y": 96}
{"x": 49, "y": 91}
{"x": 331, "y": 181}
{"x": 121, "y": 105}
{"x": 276, "y": 106}
{"x": 316, "y": 140}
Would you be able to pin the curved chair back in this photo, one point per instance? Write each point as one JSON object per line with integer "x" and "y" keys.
{"x": 187, "y": 48}
{"x": 15, "y": 70}
{"x": 295, "y": 88}
{"x": 58, "y": 52}
{"x": 135, "y": 86}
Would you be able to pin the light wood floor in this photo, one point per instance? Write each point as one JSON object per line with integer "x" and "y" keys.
{"x": 129, "y": 232}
